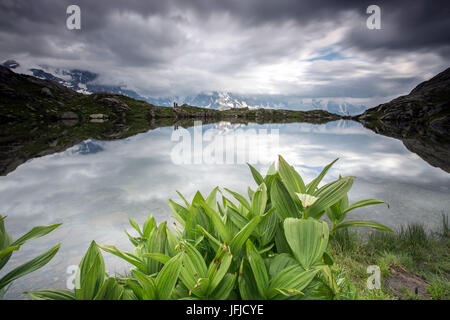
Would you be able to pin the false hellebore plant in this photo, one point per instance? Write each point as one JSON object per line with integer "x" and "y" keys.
{"x": 8, "y": 246}
{"x": 270, "y": 245}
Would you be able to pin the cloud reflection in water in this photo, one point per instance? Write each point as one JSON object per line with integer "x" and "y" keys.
{"x": 94, "y": 193}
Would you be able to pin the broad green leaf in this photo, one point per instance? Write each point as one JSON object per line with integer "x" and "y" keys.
{"x": 307, "y": 239}
{"x": 327, "y": 259}
{"x": 184, "y": 199}
{"x": 36, "y": 232}
{"x": 256, "y": 175}
{"x": 293, "y": 278}
{"x": 282, "y": 201}
{"x": 127, "y": 256}
{"x": 363, "y": 203}
{"x": 280, "y": 239}
{"x": 239, "y": 220}
{"x": 211, "y": 199}
{"x": 239, "y": 198}
{"x": 198, "y": 263}
{"x": 91, "y": 273}
{"x": 250, "y": 193}
{"x": 259, "y": 200}
{"x": 279, "y": 262}
{"x": 214, "y": 242}
{"x": 268, "y": 180}
{"x": 198, "y": 199}
{"x": 194, "y": 268}
{"x": 156, "y": 243}
{"x": 29, "y": 266}
{"x": 289, "y": 292}
{"x": 258, "y": 268}
{"x": 5, "y": 242}
{"x": 290, "y": 177}
{"x": 128, "y": 294}
{"x": 172, "y": 242}
{"x": 110, "y": 290}
{"x": 241, "y": 237}
{"x": 133, "y": 240}
{"x": 50, "y": 294}
{"x": 362, "y": 223}
{"x": 218, "y": 223}
{"x": 5, "y": 238}
{"x": 135, "y": 226}
{"x": 315, "y": 183}
{"x": 160, "y": 257}
{"x": 329, "y": 195}
{"x": 326, "y": 270}
{"x": 137, "y": 292}
{"x": 180, "y": 291}
{"x": 271, "y": 171}
{"x": 246, "y": 283}
{"x": 218, "y": 268}
{"x": 168, "y": 277}
{"x": 8, "y": 250}
{"x": 149, "y": 225}
{"x": 268, "y": 248}
{"x": 334, "y": 212}
{"x": 180, "y": 212}
{"x": 226, "y": 286}
{"x": 267, "y": 227}
{"x": 200, "y": 288}
{"x": 227, "y": 203}
{"x": 193, "y": 220}
{"x": 149, "y": 291}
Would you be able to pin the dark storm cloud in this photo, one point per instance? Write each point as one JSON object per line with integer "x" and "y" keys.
{"x": 408, "y": 25}
{"x": 194, "y": 45}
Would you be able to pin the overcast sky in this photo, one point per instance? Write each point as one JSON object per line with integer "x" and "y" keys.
{"x": 318, "y": 48}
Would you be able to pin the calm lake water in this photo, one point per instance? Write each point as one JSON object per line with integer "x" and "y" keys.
{"x": 94, "y": 187}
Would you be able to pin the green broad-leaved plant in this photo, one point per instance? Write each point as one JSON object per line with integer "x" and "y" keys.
{"x": 8, "y": 246}
{"x": 270, "y": 243}
{"x": 293, "y": 198}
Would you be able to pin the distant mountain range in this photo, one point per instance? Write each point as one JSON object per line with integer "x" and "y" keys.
{"x": 85, "y": 82}
{"x": 40, "y": 117}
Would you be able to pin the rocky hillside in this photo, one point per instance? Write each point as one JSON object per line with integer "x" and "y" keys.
{"x": 420, "y": 119}
{"x": 426, "y": 105}
{"x": 26, "y": 98}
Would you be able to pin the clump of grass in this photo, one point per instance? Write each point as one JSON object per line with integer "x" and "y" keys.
{"x": 413, "y": 236}
{"x": 345, "y": 239}
{"x": 439, "y": 288}
{"x": 426, "y": 253}
{"x": 412, "y": 239}
{"x": 445, "y": 231}
{"x": 388, "y": 260}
